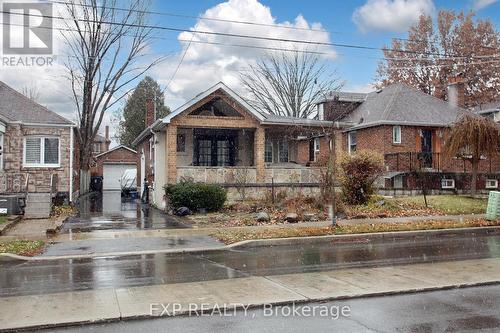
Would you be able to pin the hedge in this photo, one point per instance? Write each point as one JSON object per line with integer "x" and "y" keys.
{"x": 196, "y": 196}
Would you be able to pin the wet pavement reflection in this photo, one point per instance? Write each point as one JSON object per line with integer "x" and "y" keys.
{"x": 109, "y": 211}
{"x": 36, "y": 277}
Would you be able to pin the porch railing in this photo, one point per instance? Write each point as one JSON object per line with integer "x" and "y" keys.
{"x": 411, "y": 161}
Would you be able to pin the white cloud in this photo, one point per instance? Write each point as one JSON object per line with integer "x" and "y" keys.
{"x": 207, "y": 64}
{"x": 480, "y": 4}
{"x": 390, "y": 15}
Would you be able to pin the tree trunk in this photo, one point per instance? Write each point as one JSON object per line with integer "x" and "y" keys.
{"x": 475, "y": 165}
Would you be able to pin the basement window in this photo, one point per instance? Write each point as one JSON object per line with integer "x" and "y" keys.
{"x": 447, "y": 183}
{"x": 491, "y": 183}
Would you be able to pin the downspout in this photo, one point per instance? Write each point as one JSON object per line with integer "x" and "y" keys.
{"x": 71, "y": 149}
{"x": 154, "y": 163}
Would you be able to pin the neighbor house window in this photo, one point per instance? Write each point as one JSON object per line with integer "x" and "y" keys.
{"x": 396, "y": 134}
{"x": 268, "y": 151}
{"x": 96, "y": 148}
{"x": 41, "y": 152}
{"x": 491, "y": 183}
{"x": 181, "y": 143}
{"x": 351, "y": 142}
{"x": 448, "y": 183}
{"x": 283, "y": 151}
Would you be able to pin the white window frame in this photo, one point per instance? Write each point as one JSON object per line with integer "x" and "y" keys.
{"x": 396, "y": 134}
{"x": 349, "y": 142}
{"x": 317, "y": 146}
{"x": 42, "y": 163}
{"x": 447, "y": 186}
{"x": 488, "y": 184}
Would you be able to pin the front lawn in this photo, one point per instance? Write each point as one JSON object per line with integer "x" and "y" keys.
{"x": 450, "y": 204}
{"x": 22, "y": 247}
{"x": 244, "y": 214}
{"x": 233, "y": 236}
{"x": 3, "y": 219}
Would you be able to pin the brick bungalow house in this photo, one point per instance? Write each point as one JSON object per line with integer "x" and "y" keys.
{"x": 37, "y": 149}
{"x": 217, "y": 137}
{"x": 410, "y": 129}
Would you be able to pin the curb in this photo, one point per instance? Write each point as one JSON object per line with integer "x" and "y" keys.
{"x": 362, "y": 237}
{"x": 254, "y": 306}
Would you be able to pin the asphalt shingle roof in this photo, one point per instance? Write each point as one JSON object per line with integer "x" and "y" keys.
{"x": 15, "y": 107}
{"x": 400, "y": 104}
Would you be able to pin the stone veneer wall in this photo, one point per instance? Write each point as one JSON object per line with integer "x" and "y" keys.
{"x": 12, "y": 177}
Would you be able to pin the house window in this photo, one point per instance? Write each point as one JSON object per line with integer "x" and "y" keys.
{"x": 448, "y": 183}
{"x": 96, "y": 148}
{"x": 491, "y": 183}
{"x": 314, "y": 149}
{"x": 181, "y": 143}
{"x": 41, "y": 152}
{"x": 205, "y": 152}
{"x": 396, "y": 134}
{"x": 268, "y": 151}
{"x": 351, "y": 142}
{"x": 321, "y": 112}
{"x": 283, "y": 151}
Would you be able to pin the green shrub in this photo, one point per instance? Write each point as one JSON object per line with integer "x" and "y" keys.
{"x": 357, "y": 174}
{"x": 196, "y": 196}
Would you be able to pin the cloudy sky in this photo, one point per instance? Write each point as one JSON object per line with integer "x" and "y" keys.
{"x": 360, "y": 22}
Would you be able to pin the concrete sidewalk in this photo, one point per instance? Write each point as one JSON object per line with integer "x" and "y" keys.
{"x": 98, "y": 305}
{"x": 208, "y": 231}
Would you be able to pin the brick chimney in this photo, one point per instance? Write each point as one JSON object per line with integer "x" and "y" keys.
{"x": 106, "y": 135}
{"x": 456, "y": 91}
{"x": 150, "y": 112}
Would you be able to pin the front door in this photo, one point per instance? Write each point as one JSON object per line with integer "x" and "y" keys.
{"x": 426, "y": 156}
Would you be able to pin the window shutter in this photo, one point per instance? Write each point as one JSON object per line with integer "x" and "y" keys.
{"x": 51, "y": 151}
{"x": 33, "y": 149}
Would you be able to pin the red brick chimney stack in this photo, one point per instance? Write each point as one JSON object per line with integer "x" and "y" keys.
{"x": 456, "y": 91}
{"x": 150, "y": 112}
{"x": 108, "y": 140}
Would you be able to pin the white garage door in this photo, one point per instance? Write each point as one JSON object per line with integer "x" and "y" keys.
{"x": 112, "y": 174}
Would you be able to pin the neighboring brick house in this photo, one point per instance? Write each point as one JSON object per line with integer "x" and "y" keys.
{"x": 37, "y": 147}
{"x": 217, "y": 137}
{"x": 490, "y": 110}
{"x": 410, "y": 129}
{"x": 101, "y": 143}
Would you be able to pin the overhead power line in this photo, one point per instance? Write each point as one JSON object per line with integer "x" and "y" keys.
{"x": 274, "y": 39}
{"x": 197, "y": 17}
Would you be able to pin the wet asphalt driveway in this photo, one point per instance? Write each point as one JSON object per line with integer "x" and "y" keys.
{"x": 109, "y": 211}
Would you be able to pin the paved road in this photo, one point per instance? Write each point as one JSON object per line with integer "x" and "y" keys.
{"x": 41, "y": 277}
{"x": 109, "y": 211}
{"x": 458, "y": 310}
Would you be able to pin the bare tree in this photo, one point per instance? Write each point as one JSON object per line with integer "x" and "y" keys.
{"x": 288, "y": 83}
{"x": 31, "y": 91}
{"x": 106, "y": 52}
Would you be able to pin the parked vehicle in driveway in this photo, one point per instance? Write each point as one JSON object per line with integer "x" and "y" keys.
{"x": 128, "y": 182}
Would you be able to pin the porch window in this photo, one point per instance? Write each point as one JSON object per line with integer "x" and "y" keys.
{"x": 214, "y": 147}
{"x": 314, "y": 148}
{"x": 351, "y": 142}
{"x": 396, "y": 134}
{"x": 181, "y": 143}
{"x": 283, "y": 151}
{"x": 268, "y": 151}
{"x": 41, "y": 152}
{"x": 205, "y": 152}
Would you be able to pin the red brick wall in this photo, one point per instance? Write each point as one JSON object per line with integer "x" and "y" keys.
{"x": 303, "y": 152}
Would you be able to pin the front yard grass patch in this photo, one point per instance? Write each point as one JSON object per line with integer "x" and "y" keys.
{"x": 22, "y": 247}
{"x": 233, "y": 236}
{"x": 3, "y": 219}
{"x": 450, "y": 204}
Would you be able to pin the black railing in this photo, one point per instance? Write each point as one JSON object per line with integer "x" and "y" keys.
{"x": 412, "y": 161}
